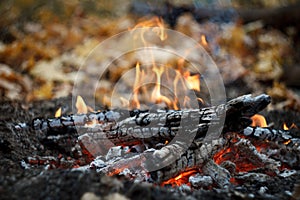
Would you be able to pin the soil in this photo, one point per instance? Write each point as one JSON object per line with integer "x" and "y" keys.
{"x": 16, "y": 182}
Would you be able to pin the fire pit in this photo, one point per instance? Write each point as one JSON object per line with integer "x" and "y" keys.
{"x": 149, "y": 113}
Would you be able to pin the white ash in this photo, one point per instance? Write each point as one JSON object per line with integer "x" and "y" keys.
{"x": 287, "y": 173}
{"x": 199, "y": 181}
{"x": 230, "y": 166}
{"x": 219, "y": 174}
{"x": 262, "y": 190}
{"x": 114, "y": 152}
{"x": 252, "y": 177}
{"x": 25, "y": 165}
{"x": 98, "y": 163}
{"x": 184, "y": 188}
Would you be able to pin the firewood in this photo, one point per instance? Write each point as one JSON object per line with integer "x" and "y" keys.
{"x": 267, "y": 134}
{"x": 154, "y": 127}
{"x": 195, "y": 157}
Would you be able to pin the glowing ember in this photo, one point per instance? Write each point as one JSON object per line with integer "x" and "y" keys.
{"x": 58, "y": 113}
{"x": 287, "y": 142}
{"x": 259, "y": 120}
{"x": 81, "y": 106}
{"x": 181, "y": 178}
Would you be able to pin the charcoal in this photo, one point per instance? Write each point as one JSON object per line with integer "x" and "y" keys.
{"x": 199, "y": 181}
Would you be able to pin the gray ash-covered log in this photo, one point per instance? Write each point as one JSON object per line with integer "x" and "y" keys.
{"x": 128, "y": 128}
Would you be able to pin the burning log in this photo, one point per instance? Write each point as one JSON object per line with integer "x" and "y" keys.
{"x": 133, "y": 129}
{"x": 267, "y": 134}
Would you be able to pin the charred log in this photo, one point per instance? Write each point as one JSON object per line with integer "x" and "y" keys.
{"x": 146, "y": 127}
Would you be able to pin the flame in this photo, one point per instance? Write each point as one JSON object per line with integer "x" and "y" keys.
{"x": 287, "y": 142}
{"x": 58, "y": 113}
{"x": 293, "y": 126}
{"x": 181, "y": 178}
{"x": 203, "y": 40}
{"x": 139, "y": 75}
{"x": 285, "y": 127}
{"x": 259, "y": 120}
{"x": 81, "y": 106}
{"x": 156, "y": 96}
{"x": 193, "y": 82}
{"x": 157, "y": 25}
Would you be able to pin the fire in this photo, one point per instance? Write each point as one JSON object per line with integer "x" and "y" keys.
{"x": 157, "y": 25}
{"x": 285, "y": 127}
{"x": 156, "y": 96}
{"x": 204, "y": 41}
{"x": 81, "y": 106}
{"x": 58, "y": 113}
{"x": 181, "y": 178}
{"x": 193, "y": 82}
{"x": 139, "y": 76}
{"x": 287, "y": 142}
{"x": 259, "y": 120}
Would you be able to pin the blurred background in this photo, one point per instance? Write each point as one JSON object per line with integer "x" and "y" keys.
{"x": 43, "y": 44}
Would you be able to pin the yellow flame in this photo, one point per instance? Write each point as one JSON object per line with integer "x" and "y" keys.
{"x": 287, "y": 142}
{"x": 193, "y": 82}
{"x": 58, "y": 113}
{"x": 138, "y": 79}
{"x": 203, "y": 40}
{"x": 157, "y": 25}
{"x": 81, "y": 106}
{"x": 156, "y": 96}
{"x": 285, "y": 127}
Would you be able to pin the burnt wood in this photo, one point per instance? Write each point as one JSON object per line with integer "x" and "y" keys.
{"x": 150, "y": 127}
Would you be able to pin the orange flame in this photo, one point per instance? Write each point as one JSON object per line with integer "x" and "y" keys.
{"x": 158, "y": 27}
{"x": 287, "y": 142}
{"x": 139, "y": 75}
{"x": 156, "y": 96}
{"x": 58, "y": 113}
{"x": 204, "y": 41}
{"x": 259, "y": 120}
{"x": 293, "y": 126}
{"x": 193, "y": 82}
{"x": 81, "y": 106}
{"x": 285, "y": 127}
{"x": 181, "y": 178}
